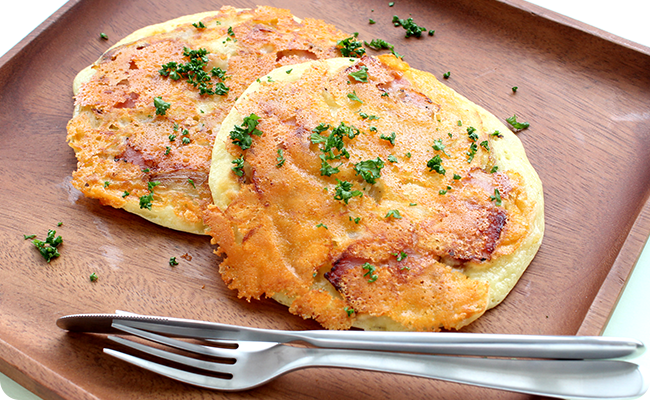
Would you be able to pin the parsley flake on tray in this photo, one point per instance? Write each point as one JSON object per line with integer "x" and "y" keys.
{"x": 517, "y": 125}
{"x": 48, "y": 248}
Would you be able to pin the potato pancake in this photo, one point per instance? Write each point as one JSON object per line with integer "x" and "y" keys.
{"x": 146, "y": 113}
{"x": 365, "y": 193}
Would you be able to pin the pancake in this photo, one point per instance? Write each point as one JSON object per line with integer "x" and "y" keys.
{"x": 147, "y": 111}
{"x": 365, "y": 193}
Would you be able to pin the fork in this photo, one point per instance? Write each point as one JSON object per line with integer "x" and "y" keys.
{"x": 252, "y": 364}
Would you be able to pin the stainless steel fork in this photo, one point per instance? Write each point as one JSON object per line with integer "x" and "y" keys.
{"x": 252, "y": 364}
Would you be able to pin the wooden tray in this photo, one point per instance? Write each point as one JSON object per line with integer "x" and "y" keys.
{"x": 585, "y": 94}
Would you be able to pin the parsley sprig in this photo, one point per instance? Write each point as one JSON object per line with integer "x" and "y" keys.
{"x": 147, "y": 200}
{"x": 351, "y": 47}
{"x": 333, "y": 145}
{"x": 361, "y": 75}
{"x": 496, "y": 198}
{"x": 412, "y": 29}
{"x": 369, "y": 170}
{"x": 161, "y": 105}
{"x": 343, "y": 191}
{"x": 241, "y": 135}
{"x": 381, "y": 44}
{"x": 517, "y": 125}
{"x": 370, "y": 272}
{"x": 435, "y": 164}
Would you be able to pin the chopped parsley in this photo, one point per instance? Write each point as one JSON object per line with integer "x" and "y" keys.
{"x": 496, "y": 134}
{"x": 343, "y": 191}
{"x": 161, "y": 105}
{"x": 103, "y": 36}
{"x": 199, "y": 25}
{"x": 371, "y": 272}
{"x": 27, "y": 237}
{"x": 355, "y": 220}
{"x": 446, "y": 75}
{"x": 432, "y": 32}
{"x": 368, "y": 117}
{"x": 438, "y": 146}
{"x": 392, "y": 3}
{"x": 401, "y": 256}
{"x": 126, "y": 193}
{"x": 485, "y": 145}
{"x": 471, "y": 133}
{"x": 494, "y": 169}
{"x": 457, "y": 177}
{"x": 371, "y": 21}
{"x": 172, "y": 137}
{"x": 472, "y": 152}
{"x": 172, "y": 261}
{"x": 241, "y": 135}
{"x": 514, "y": 89}
{"x": 390, "y": 138}
{"x": 325, "y": 168}
{"x": 473, "y": 148}
{"x": 238, "y": 169}
{"x": 394, "y": 214}
{"x": 517, "y": 125}
{"x": 435, "y": 164}
{"x": 193, "y": 72}
{"x": 351, "y": 47}
{"x": 353, "y": 96}
{"x": 191, "y": 182}
{"x": 167, "y": 150}
{"x": 349, "y": 311}
{"x": 280, "y": 159}
{"x": 369, "y": 170}
{"x": 48, "y": 248}
{"x": 444, "y": 191}
{"x": 321, "y": 225}
{"x": 231, "y": 33}
{"x": 380, "y": 44}
{"x": 412, "y": 29}
{"x": 147, "y": 200}
{"x": 93, "y": 277}
{"x": 361, "y": 75}
{"x": 392, "y": 158}
{"x": 496, "y": 198}
{"x": 186, "y": 140}
{"x": 106, "y": 184}
{"x": 289, "y": 71}
{"x": 334, "y": 141}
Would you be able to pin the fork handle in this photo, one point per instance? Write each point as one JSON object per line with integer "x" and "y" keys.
{"x": 576, "y": 379}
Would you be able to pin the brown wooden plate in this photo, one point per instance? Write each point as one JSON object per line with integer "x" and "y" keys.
{"x": 584, "y": 93}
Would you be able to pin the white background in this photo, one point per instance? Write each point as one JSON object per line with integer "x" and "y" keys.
{"x": 629, "y": 19}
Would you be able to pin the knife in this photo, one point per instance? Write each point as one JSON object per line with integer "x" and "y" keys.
{"x": 456, "y": 343}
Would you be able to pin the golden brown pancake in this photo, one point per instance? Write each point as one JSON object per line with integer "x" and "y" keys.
{"x": 363, "y": 192}
{"x": 154, "y": 161}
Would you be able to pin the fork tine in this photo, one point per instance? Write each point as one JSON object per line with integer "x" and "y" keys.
{"x": 175, "y": 373}
{"x": 178, "y": 344}
{"x": 177, "y": 358}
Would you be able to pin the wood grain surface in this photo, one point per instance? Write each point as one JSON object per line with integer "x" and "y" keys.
{"x": 585, "y": 96}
